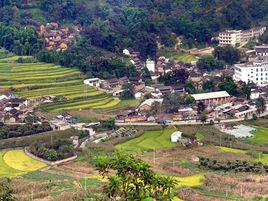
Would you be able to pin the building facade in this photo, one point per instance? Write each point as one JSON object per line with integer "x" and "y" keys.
{"x": 262, "y": 50}
{"x": 230, "y": 37}
{"x": 255, "y": 71}
{"x": 233, "y": 37}
{"x": 212, "y": 98}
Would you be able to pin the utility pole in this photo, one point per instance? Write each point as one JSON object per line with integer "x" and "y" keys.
{"x": 32, "y": 195}
{"x": 51, "y": 139}
{"x": 85, "y": 184}
{"x": 241, "y": 190}
{"x": 154, "y": 155}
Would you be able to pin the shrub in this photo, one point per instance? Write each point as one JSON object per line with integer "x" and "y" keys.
{"x": 53, "y": 151}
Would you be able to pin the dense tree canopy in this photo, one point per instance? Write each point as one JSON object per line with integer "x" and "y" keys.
{"x": 107, "y": 27}
{"x": 209, "y": 63}
{"x": 19, "y": 41}
{"x": 228, "y": 54}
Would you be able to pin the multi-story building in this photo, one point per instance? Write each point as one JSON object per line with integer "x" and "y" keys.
{"x": 262, "y": 50}
{"x": 233, "y": 37}
{"x": 230, "y": 37}
{"x": 255, "y": 71}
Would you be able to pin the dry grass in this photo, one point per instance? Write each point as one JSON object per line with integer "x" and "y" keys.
{"x": 25, "y": 190}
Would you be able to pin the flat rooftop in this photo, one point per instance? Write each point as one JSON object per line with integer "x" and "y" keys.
{"x": 210, "y": 95}
{"x": 258, "y": 62}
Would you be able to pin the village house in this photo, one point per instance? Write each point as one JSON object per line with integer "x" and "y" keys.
{"x": 57, "y": 37}
{"x": 176, "y": 136}
{"x": 185, "y": 114}
{"x": 93, "y": 82}
{"x": 212, "y": 98}
{"x": 147, "y": 104}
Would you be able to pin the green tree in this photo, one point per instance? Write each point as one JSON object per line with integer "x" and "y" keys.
{"x": 189, "y": 87}
{"x": 200, "y": 107}
{"x": 246, "y": 90}
{"x": 261, "y": 105}
{"x": 228, "y": 53}
{"x": 172, "y": 102}
{"x": 208, "y": 85}
{"x": 128, "y": 92}
{"x": 133, "y": 179}
{"x": 228, "y": 85}
{"x": 51, "y": 155}
{"x": 209, "y": 63}
{"x": 189, "y": 99}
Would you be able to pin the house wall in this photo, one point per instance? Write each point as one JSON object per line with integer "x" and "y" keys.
{"x": 257, "y": 74}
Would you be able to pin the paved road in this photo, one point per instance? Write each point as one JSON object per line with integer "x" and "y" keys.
{"x": 182, "y": 123}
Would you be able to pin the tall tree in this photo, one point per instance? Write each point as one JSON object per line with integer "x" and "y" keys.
{"x": 261, "y": 105}
{"x": 133, "y": 179}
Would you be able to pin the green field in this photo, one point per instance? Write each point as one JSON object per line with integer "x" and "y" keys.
{"x": 184, "y": 57}
{"x": 16, "y": 163}
{"x": 150, "y": 140}
{"x": 34, "y": 80}
{"x": 263, "y": 157}
{"x": 261, "y": 136}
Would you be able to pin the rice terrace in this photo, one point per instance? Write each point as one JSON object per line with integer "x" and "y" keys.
{"x": 34, "y": 80}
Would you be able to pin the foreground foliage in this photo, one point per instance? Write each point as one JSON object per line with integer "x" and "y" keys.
{"x": 6, "y": 190}
{"x": 133, "y": 179}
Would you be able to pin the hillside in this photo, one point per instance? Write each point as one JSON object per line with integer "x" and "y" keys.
{"x": 111, "y": 26}
{"x": 35, "y": 80}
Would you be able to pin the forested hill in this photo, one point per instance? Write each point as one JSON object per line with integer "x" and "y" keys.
{"x": 116, "y": 24}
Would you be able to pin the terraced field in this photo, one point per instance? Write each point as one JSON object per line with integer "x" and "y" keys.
{"x": 16, "y": 163}
{"x": 33, "y": 80}
{"x": 149, "y": 140}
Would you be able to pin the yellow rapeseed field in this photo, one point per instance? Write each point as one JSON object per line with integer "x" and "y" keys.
{"x": 18, "y": 160}
{"x": 190, "y": 181}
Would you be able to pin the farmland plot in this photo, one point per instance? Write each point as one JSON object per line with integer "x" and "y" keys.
{"x": 34, "y": 80}
{"x": 16, "y": 163}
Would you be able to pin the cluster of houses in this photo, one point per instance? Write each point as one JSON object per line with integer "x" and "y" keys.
{"x": 219, "y": 105}
{"x": 66, "y": 121}
{"x": 56, "y": 36}
{"x": 13, "y": 109}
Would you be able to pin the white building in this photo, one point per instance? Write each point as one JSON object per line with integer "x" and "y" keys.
{"x": 233, "y": 37}
{"x": 175, "y": 136}
{"x": 150, "y": 64}
{"x": 126, "y": 52}
{"x": 230, "y": 37}
{"x": 93, "y": 82}
{"x": 255, "y": 71}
